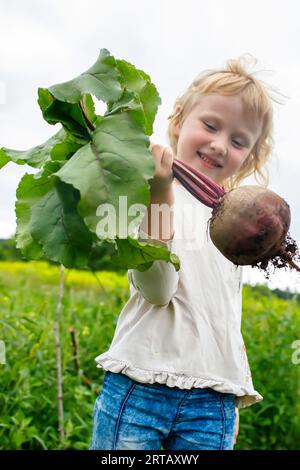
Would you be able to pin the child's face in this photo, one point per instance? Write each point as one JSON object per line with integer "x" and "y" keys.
{"x": 217, "y": 128}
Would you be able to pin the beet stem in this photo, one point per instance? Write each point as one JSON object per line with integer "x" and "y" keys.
{"x": 197, "y": 192}
{"x": 202, "y": 187}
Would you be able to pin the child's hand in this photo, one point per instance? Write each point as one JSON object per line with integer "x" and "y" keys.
{"x": 161, "y": 193}
{"x": 163, "y": 176}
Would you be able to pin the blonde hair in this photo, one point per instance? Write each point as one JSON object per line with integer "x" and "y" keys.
{"x": 257, "y": 101}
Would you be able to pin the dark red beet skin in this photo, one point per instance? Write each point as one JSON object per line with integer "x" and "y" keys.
{"x": 250, "y": 227}
{"x": 249, "y": 224}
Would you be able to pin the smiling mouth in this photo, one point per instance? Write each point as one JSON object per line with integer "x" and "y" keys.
{"x": 210, "y": 162}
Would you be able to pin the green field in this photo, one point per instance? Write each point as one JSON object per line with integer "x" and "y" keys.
{"x": 91, "y": 305}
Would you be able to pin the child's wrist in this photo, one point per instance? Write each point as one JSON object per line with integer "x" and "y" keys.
{"x": 162, "y": 195}
{"x": 159, "y": 218}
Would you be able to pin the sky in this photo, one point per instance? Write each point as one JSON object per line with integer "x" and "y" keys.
{"x": 48, "y": 42}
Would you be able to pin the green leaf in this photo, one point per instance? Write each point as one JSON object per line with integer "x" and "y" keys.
{"x": 69, "y": 115}
{"x": 129, "y": 102}
{"x": 71, "y": 103}
{"x": 137, "y": 254}
{"x": 94, "y": 162}
{"x": 48, "y": 223}
{"x": 100, "y": 80}
{"x": 4, "y": 158}
{"x": 58, "y": 227}
{"x": 139, "y": 82}
{"x": 59, "y": 147}
{"x": 102, "y": 171}
{"x": 28, "y": 193}
{"x": 88, "y": 108}
{"x": 66, "y": 146}
{"x": 50, "y": 167}
{"x": 35, "y": 156}
{"x": 83, "y": 171}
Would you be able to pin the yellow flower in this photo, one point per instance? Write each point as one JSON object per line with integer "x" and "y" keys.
{"x": 86, "y": 331}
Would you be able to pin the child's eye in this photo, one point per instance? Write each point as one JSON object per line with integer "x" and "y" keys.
{"x": 236, "y": 142}
{"x": 210, "y": 126}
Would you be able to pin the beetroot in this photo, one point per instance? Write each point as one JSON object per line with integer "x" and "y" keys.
{"x": 249, "y": 224}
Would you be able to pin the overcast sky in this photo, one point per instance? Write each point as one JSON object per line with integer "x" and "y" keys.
{"x": 51, "y": 41}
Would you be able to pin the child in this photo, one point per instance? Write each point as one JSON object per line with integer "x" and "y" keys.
{"x": 177, "y": 369}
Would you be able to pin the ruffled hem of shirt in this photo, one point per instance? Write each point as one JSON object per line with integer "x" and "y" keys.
{"x": 244, "y": 396}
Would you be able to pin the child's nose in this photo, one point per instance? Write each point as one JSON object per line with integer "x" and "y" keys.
{"x": 219, "y": 146}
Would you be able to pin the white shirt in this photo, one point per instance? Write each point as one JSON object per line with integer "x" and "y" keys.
{"x": 183, "y": 329}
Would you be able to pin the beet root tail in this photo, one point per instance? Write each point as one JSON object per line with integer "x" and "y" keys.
{"x": 288, "y": 258}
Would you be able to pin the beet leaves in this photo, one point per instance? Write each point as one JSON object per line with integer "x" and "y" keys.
{"x": 91, "y": 161}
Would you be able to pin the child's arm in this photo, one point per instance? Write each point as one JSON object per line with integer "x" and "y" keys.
{"x": 159, "y": 283}
{"x": 161, "y": 193}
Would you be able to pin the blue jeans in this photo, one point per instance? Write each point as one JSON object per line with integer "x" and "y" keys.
{"x": 130, "y": 415}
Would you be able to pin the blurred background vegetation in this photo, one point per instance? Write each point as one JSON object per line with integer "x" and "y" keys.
{"x": 91, "y": 304}
{"x": 101, "y": 258}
